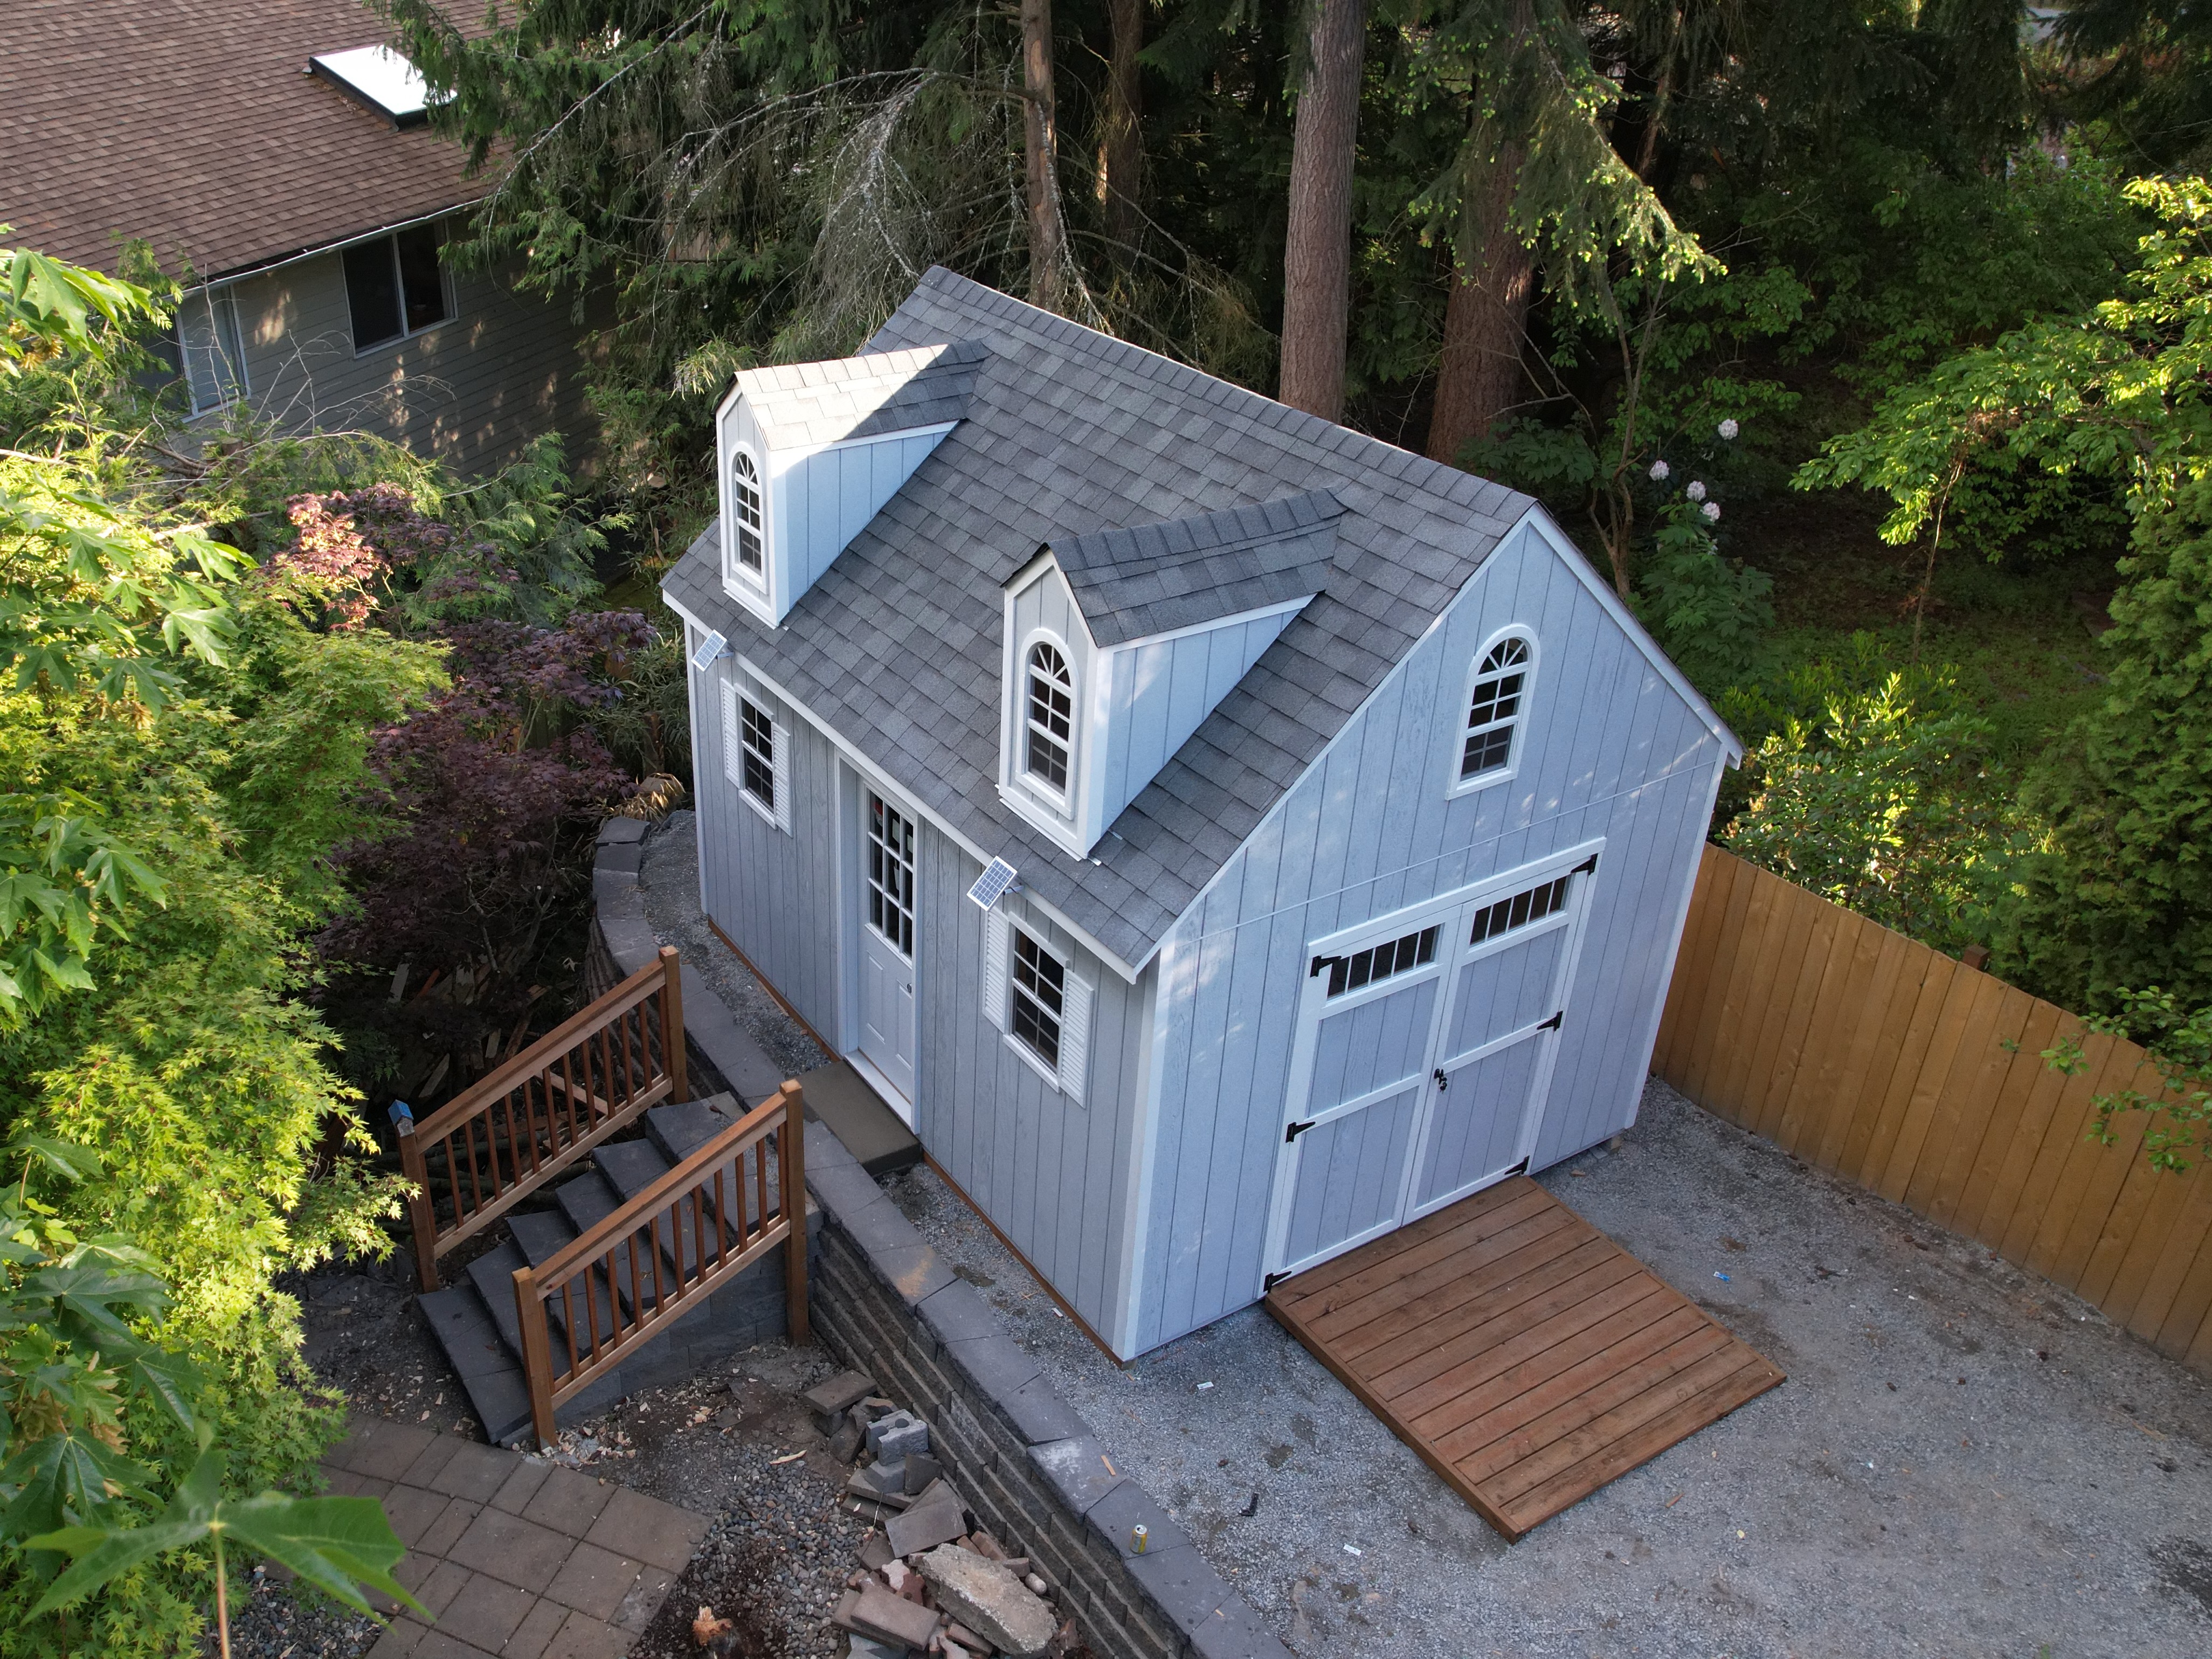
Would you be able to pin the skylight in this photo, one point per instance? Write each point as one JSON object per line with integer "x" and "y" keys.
{"x": 381, "y": 78}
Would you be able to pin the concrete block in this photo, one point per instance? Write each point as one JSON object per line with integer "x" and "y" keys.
{"x": 1076, "y": 1470}
{"x": 618, "y": 860}
{"x": 896, "y": 1436}
{"x": 1233, "y": 1630}
{"x": 1040, "y": 1416}
{"x": 915, "y": 1271}
{"x": 997, "y": 1368}
{"x": 1115, "y": 1517}
{"x": 623, "y": 832}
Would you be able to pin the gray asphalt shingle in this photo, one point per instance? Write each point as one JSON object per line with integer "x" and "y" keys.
{"x": 1070, "y": 440}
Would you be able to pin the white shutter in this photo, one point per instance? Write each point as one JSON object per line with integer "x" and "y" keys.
{"x": 782, "y": 770}
{"x": 1074, "y": 1036}
{"x": 734, "y": 764}
{"x": 995, "y": 967}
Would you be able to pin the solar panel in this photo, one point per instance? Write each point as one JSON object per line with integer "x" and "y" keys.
{"x": 994, "y": 884}
{"x": 709, "y": 649}
{"x": 381, "y": 78}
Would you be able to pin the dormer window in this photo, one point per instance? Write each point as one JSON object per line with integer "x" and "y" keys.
{"x": 745, "y": 515}
{"x": 1494, "y": 708}
{"x": 1051, "y": 710}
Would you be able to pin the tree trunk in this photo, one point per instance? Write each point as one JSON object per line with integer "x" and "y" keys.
{"x": 1317, "y": 255}
{"x": 1048, "y": 236}
{"x": 1122, "y": 150}
{"x": 1485, "y": 319}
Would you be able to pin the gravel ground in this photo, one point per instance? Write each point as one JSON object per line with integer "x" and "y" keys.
{"x": 670, "y": 880}
{"x": 1965, "y": 1460}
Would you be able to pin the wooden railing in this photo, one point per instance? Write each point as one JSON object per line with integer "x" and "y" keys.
{"x": 499, "y": 1141}
{"x": 663, "y": 1253}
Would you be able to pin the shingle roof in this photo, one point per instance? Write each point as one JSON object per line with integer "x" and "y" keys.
{"x": 195, "y": 124}
{"x": 800, "y": 404}
{"x": 896, "y": 645}
{"x": 1154, "y": 577}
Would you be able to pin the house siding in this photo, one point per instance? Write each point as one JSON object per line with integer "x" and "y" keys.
{"x": 472, "y": 391}
{"x": 1610, "y": 749}
{"x": 1052, "y": 1176}
{"x": 827, "y": 498}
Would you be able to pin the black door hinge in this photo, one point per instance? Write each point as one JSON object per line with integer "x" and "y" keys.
{"x": 1552, "y": 1023}
{"x": 1296, "y": 1130}
{"x": 1319, "y": 962}
{"x": 1521, "y": 1168}
{"x": 1588, "y": 866}
{"x": 1271, "y": 1281}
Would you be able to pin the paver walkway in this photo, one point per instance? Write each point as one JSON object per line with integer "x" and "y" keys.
{"x": 512, "y": 1557}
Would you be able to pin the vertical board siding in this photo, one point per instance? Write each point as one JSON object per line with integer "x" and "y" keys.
{"x": 472, "y": 391}
{"x": 775, "y": 895}
{"x": 1051, "y": 1175}
{"x": 1610, "y": 749}
{"x": 1877, "y": 1059}
{"x": 827, "y": 497}
{"x": 1162, "y": 692}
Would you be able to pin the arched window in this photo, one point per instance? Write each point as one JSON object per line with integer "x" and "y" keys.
{"x": 745, "y": 511}
{"x": 1501, "y": 680}
{"x": 1049, "y": 711}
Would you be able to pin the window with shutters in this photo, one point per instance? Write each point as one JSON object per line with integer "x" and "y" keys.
{"x": 757, "y": 755}
{"x": 757, "y": 758}
{"x": 1495, "y": 704}
{"x": 1039, "y": 983}
{"x": 1044, "y": 1006}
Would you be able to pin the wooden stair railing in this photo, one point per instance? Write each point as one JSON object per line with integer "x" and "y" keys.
{"x": 664, "y": 1251}
{"x": 525, "y": 1123}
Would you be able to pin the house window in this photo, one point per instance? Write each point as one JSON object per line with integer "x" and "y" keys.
{"x": 1545, "y": 899}
{"x": 1049, "y": 712}
{"x": 891, "y": 874}
{"x": 746, "y": 512}
{"x": 756, "y": 757}
{"x": 211, "y": 348}
{"x": 1378, "y": 962}
{"x": 396, "y": 287}
{"x": 757, "y": 753}
{"x": 1494, "y": 709}
{"x": 1040, "y": 993}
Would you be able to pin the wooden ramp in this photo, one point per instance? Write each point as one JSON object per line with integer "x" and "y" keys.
{"x": 1523, "y": 1355}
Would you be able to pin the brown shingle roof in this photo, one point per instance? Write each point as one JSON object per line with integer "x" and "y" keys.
{"x": 194, "y": 124}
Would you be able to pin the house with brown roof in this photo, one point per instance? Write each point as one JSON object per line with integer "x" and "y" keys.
{"x": 275, "y": 157}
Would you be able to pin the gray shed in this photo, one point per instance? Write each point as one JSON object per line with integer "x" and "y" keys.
{"x": 1224, "y": 836}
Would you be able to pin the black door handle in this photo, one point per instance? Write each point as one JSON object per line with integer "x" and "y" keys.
{"x": 1443, "y": 1082}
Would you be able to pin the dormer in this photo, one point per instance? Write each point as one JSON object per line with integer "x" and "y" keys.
{"x": 1119, "y": 643}
{"x": 808, "y": 453}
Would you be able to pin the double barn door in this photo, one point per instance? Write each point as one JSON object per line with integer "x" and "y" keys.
{"x": 1423, "y": 1049}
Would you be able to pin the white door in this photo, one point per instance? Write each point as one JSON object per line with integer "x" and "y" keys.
{"x": 1422, "y": 1056}
{"x": 887, "y": 1010}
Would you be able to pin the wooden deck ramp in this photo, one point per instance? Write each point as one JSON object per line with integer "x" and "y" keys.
{"x": 1523, "y": 1355}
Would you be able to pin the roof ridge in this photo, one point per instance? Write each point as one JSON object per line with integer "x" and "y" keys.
{"x": 1436, "y": 477}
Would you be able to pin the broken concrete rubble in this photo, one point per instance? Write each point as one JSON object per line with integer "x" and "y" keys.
{"x": 989, "y": 1599}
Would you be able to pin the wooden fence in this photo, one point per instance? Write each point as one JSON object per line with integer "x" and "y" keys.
{"x": 1877, "y": 1059}
{"x": 665, "y": 1252}
{"x": 490, "y": 1146}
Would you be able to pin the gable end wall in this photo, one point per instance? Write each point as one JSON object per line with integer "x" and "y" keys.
{"x": 1610, "y": 749}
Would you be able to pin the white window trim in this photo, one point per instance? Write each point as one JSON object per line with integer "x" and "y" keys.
{"x": 1456, "y": 786}
{"x": 1077, "y": 998}
{"x": 393, "y": 341}
{"x": 734, "y": 758}
{"x": 225, "y": 294}
{"x": 734, "y": 574}
{"x": 1059, "y": 803}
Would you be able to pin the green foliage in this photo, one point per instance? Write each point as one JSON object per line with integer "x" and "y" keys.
{"x": 2121, "y": 896}
{"x": 1710, "y": 614}
{"x": 1872, "y": 792}
{"x": 336, "y": 1543}
{"x": 2181, "y": 1045}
